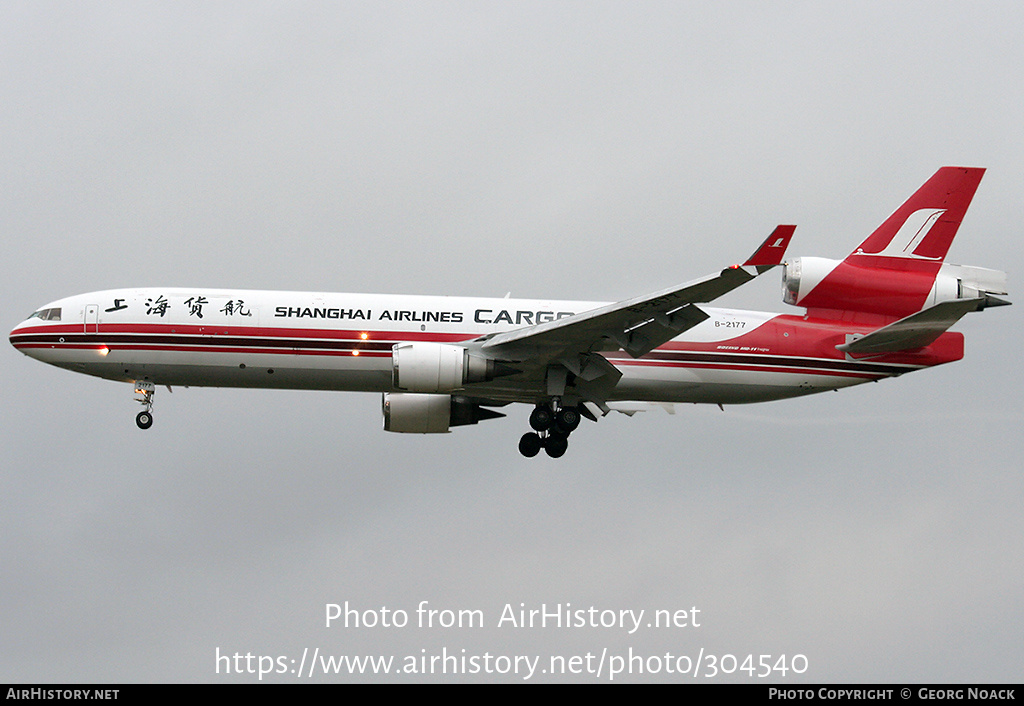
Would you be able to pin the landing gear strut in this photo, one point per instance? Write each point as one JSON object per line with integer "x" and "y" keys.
{"x": 552, "y": 425}
{"x": 144, "y": 419}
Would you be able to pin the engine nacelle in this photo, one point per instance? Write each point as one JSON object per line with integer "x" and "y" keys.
{"x": 865, "y": 287}
{"x": 816, "y": 282}
{"x": 436, "y": 367}
{"x": 966, "y": 282}
{"x": 417, "y": 413}
{"x": 801, "y": 275}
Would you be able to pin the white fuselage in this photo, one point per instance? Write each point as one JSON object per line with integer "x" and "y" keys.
{"x": 334, "y": 341}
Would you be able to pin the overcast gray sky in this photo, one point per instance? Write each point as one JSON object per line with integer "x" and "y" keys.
{"x": 578, "y": 150}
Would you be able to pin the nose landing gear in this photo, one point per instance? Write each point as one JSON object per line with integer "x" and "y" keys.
{"x": 144, "y": 419}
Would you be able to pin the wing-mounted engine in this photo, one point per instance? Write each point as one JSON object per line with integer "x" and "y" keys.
{"x": 414, "y": 413}
{"x": 440, "y": 367}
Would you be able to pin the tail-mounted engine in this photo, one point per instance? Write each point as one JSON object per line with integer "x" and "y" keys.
{"x": 439, "y": 367}
{"x": 967, "y": 282}
{"x": 801, "y": 275}
{"x": 819, "y": 283}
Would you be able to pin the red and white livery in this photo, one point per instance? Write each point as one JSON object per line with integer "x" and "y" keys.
{"x": 441, "y": 362}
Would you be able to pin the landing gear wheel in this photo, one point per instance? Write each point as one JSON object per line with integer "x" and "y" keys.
{"x": 555, "y": 445}
{"x": 530, "y": 444}
{"x": 567, "y": 419}
{"x": 541, "y": 418}
{"x": 145, "y": 390}
{"x": 144, "y": 420}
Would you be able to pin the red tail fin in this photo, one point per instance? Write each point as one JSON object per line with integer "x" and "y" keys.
{"x": 893, "y": 271}
{"x": 924, "y": 226}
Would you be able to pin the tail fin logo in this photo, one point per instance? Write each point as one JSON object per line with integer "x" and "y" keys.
{"x": 910, "y": 235}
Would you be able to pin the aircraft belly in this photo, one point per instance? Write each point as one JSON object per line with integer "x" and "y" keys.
{"x": 681, "y": 384}
{"x": 284, "y": 371}
{"x": 718, "y": 380}
{"x": 290, "y": 378}
{"x": 718, "y": 386}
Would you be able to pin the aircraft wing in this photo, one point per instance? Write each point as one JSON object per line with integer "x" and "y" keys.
{"x": 635, "y": 325}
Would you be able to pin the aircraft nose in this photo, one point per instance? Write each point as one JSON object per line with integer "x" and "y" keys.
{"x": 21, "y": 336}
{"x": 15, "y": 335}
{"x": 13, "y": 338}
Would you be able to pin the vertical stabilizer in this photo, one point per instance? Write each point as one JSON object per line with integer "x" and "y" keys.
{"x": 923, "y": 228}
{"x": 893, "y": 271}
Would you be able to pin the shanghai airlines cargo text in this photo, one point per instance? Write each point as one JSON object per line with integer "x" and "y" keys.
{"x": 480, "y": 316}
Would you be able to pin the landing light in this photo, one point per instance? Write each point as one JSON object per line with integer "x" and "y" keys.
{"x": 355, "y": 352}
{"x": 364, "y": 335}
{"x": 104, "y": 350}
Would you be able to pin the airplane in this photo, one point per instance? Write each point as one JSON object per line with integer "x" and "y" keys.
{"x": 441, "y": 362}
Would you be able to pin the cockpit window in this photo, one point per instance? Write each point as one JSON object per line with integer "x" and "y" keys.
{"x": 47, "y": 314}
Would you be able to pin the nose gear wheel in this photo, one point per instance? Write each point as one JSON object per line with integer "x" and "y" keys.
{"x": 145, "y": 390}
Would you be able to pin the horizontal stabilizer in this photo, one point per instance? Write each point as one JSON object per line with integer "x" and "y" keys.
{"x": 994, "y": 301}
{"x": 914, "y": 331}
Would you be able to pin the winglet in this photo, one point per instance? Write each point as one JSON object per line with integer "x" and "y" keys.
{"x": 773, "y": 249}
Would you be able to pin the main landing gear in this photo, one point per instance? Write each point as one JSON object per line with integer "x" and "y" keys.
{"x": 552, "y": 425}
{"x": 144, "y": 419}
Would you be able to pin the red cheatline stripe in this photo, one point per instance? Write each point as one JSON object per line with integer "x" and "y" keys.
{"x": 764, "y": 369}
{"x": 795, "y": 369}
{"x": 263, "y": 340}
{"x": 363, "y": 353}
{"x": 247, "y": 331}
